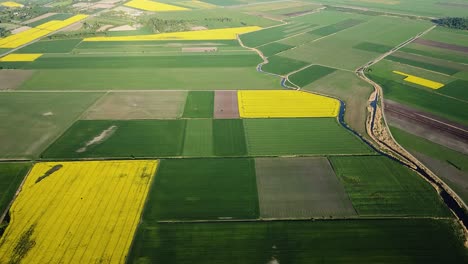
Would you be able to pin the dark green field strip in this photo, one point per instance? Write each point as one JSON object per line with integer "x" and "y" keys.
{"x": 457, "y": 89}
{"x": 203, "y": 189}
{"x": 199, "y": 104}
{"x": 429, "y": 101}
{"x": 337, "y": 27}
{"x": 379, "y": 186}
{"x": 133, "y": 138}
{"x": 282, "y": 65}
{"x": 424, "y": 65}
{"x": 310, "y": 75}
{"x": 373, "y": 47}
{"x": 301, "y": 242}
{"x": 51, "y": 46}
{"x": 300, "y": 136}
{"x": 125, "y": 62}
{"x": 47, "y": 19}
{"x": 161, "y": 43}
{"x": 11, "y": 176}
{"x": 274, "y": 48}
{"x": 257, "y": 38}
{"x": 229, "y": 138}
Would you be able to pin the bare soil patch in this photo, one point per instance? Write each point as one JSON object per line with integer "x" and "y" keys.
{"x": 123, "y": 28}
{"x": 32, "y": 20}
{"x": 139, "y": 105}
{"x": 441, "y": 45}
{"x": 105, "y": 134}
{"x": 198, "y": 28}
{"x": 226, "y": 105}
{"x": 104, "y": 28}
{"x": 425, "y": 125}
{"x": 11, "y": 79}
{"x": 300, "y": 188}
{"x": 20, "y": 29}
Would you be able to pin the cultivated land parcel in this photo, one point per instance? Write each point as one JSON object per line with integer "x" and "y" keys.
{"x": 233, "y": 131}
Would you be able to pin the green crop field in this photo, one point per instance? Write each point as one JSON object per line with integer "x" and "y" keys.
{"x": 203, "y": 189}
{"x": 160, "y": 79}
{"x": 51, "y": 46}
{"x": 446, "y": 107}
{"x": 300, "y": 188}
{"x": 198, "y": 140}
{"x": 144, "y": 62}
{"x": 300, "y": 242}
{"x": 229, "y": 138}
{"x": 310, "y": 74}
{"x": 379, "y": 186}
{"x": 228, "y": 188}
{"x": 352, "y": 90}
{"x": 300, "y": 136}
{"x": 199, "y": 104}
{"x": 11, "y": 176}
{"x": 119, "y": 139}
{"x": 31, "y": 121}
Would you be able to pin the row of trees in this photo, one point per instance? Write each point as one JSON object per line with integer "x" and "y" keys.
{"x": 453, "y": 22}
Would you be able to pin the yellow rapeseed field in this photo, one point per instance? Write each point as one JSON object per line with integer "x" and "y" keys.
{"x": 153, "y": 6}
{"x": 284, "y": 103}
{"x": 420, "y": 81}
{"x": 11, "y": 4}
{"x": 32, "y": 34}
{"x": 21, "y": 57}
{"x": 209, "y": 34}
{"x": 77, "y": 212}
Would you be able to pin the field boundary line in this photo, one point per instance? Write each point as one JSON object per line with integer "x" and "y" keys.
{"x": 309, "y": 219}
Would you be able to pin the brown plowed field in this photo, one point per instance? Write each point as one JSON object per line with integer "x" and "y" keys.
{"x": 441, "y": 45}
{"x": 226, "y": 105}
{"x": 436, "y": 129}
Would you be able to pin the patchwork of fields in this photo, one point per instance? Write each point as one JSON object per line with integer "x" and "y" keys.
{"x": 161, "y": 132}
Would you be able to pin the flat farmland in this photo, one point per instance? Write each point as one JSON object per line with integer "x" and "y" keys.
{"x": 229, "y": 138}
{"x": 198, "y": 141}
{"x": 379, "y": 186}
{"x": 138, "y": 105}
{"x": 117, "y": 138}
{"x": 199, "y": 104}
{"x": 31, "y": 121}
{"x": 161, "y": 79}
{"x": 336, "y": 50}
{"x": 300, "y": 136}
{"x": 203, "y": 189}
{"x": 92, "y": 210}
{"x": 310, "y": 74}
{"x": 300, "y": 188}
{"x": 11, "y": 176}
{"x": 301, "y": 242}
{"x": 352, "y": 90}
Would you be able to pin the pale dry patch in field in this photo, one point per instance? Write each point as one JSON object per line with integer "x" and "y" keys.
{"x": 11, "y": 79}
{"x": 139, "y": 105}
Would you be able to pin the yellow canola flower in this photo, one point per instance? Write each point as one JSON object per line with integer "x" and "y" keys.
{"x": 284, "y": 103}
{"x": 21, "y": 57}
{"x": 77, "y": 212}
{"x": 148, "y": 5}
{"x": 420, "y": 81}
{"x": 11, "y": 4}
{"x": 33, "y": 34}
{"x": 209, "y": 34}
